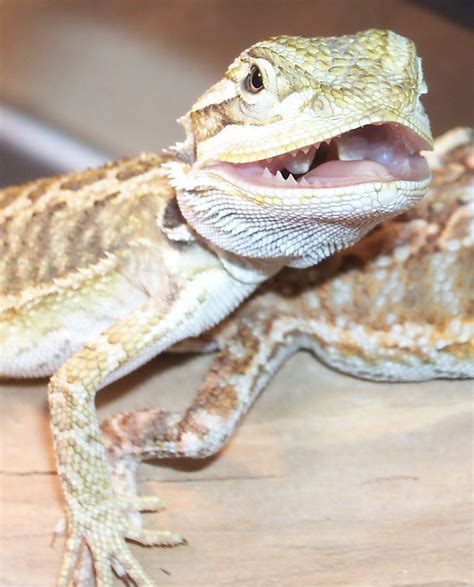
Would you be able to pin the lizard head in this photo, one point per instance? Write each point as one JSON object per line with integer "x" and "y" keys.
{"x": 305, "y": 145}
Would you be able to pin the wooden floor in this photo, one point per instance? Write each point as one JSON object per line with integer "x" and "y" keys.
{"x": 330, "y": 481}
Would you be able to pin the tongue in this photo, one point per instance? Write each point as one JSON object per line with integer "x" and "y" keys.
{"x": 339, "y": 173}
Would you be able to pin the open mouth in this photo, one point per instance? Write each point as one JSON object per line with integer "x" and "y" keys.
{"x": 373, "y": 153}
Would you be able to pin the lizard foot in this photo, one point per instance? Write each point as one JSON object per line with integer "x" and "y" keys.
{"x": 104, "y": 529}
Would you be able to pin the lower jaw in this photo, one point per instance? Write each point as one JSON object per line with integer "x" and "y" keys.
{"x": 333, "y": 174}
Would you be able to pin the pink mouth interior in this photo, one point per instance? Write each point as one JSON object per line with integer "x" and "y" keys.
{"x": 372, "y": 153}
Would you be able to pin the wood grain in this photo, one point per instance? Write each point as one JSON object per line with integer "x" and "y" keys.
{"x": 331, "y": 481}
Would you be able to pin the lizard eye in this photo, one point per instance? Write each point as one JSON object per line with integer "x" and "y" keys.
{"x": 254, "y": 80}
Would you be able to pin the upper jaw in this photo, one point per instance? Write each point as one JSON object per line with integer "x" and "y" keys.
{"x": 376, "y": 152}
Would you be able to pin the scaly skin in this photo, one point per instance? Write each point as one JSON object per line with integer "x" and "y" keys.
{"x": 397, "y": 306}
{"x": 102, "y": 270}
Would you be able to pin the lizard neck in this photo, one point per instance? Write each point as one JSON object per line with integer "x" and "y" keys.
{"x": 247, "y": 270}
{"x": 243, "y": 269}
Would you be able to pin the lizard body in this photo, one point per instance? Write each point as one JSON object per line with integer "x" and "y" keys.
{"x": 113, "y": 259}
{"x": 301, "y": 149}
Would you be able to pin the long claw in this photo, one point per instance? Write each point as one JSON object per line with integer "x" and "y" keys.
{"x": 155, "y": 537}
{"x": 143, "y": 503}
{"x": 131, "y": 568}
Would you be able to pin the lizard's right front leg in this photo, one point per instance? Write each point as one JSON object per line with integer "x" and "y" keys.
{"x": 97, "y": 516}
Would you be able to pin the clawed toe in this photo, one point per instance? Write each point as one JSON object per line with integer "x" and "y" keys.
{"x": 154, "y": 537}
{"x": 102, "y": 536}
{"x": 142, "y": 503}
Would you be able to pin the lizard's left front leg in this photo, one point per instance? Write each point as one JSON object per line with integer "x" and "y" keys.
{"x": 96, "y": 513}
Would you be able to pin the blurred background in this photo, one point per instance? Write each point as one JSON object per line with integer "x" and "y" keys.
{"x": 113, "y": 75}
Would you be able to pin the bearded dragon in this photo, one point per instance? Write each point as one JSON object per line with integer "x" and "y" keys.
{"x": 299, "y": 151}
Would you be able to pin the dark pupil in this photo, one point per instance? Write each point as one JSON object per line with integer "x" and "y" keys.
{"x": 256, "y": 79}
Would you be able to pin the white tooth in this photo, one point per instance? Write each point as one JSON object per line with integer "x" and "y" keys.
{"x": 302, "y": 182}
{"x": 291, "y": 180}
{"x": 280, "y": 177}
{"x": 266, "y": 173}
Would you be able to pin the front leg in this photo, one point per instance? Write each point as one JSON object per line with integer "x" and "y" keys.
{"x": 96, "y": 514}
{"x": 249, "y": 357}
